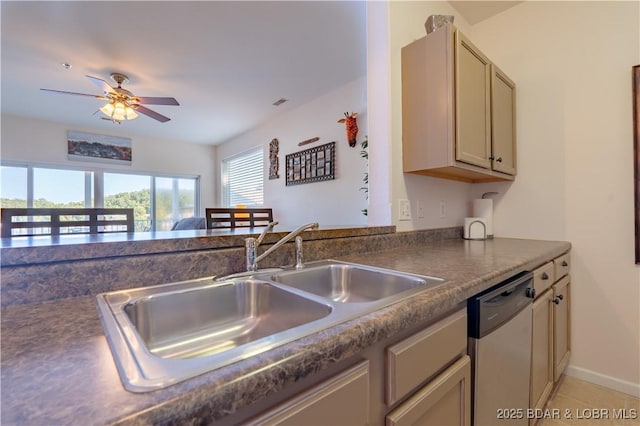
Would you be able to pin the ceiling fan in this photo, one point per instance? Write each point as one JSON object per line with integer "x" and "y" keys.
{"x": 123, "y": 105}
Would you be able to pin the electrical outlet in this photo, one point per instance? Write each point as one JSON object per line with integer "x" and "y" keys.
{"x": 404, "y": 210}
{"x": 443, "y": 210}
{"x": 420, "y": 209}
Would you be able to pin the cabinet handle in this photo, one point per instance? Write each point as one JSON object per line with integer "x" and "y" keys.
{"x": 499, "y": 159}
{"x": 558, "y": 299}
{"x": 545, "y": 276}
{"x": 564, "y": 263}
{"x": 492, "y": 158}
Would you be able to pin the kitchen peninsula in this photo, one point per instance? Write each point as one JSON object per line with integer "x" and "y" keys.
{"x": 54, "y": 350}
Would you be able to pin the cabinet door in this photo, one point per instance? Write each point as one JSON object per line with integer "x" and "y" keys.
{"x": 503, "y": 122}
{"x": 473, "y": 107}
{"x": 414, "y": 360}
{"x": 541, "y": 351}
{"x": 561, "y": 326}
{"x": 342, "y": 400}
{"x": 446, "y": 400}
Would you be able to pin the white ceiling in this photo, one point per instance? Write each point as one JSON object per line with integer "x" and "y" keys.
{"x": 225, "y": 62}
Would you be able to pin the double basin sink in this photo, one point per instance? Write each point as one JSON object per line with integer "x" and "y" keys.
{"x": 161, "y": 335}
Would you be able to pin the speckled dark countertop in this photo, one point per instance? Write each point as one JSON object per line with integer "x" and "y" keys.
{"x": 57, "y": 367}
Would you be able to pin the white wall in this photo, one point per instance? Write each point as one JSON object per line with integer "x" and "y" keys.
{"x": 407, "y": 19}
{"x": 333, "y": 202}
{"x": 572, "y": 65}
{"x": 571, "y": 62}
{"x": 45, "y": 142}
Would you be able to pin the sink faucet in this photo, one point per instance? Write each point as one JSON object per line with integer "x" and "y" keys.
{"x": 251, "y": 245}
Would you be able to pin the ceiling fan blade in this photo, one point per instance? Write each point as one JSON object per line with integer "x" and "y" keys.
{"x": 103, "y": 85}
{"x": 74, "y": 93}
{"x": 156, "y": 101}
{"x": 156, "y": 116}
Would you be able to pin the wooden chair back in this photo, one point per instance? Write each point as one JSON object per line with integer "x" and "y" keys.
{"x": 238, "y": 218}
{"x": 18, "y": 222}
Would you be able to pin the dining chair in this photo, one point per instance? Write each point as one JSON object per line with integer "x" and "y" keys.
{"x": 18, "y": 222}
{"x": 238, "y": 217}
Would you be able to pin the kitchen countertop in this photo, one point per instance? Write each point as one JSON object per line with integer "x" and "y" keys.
{"x": 57, "y": 367}
{"x": 15, "y": 251}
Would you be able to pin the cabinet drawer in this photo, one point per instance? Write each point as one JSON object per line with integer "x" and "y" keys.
{"x": 445, "y": 400}
{"x": 562, "y": 265}
{"x": 341, "y": 400}
{"x": 419, "y": 357}
{"x": 543, "y": 277}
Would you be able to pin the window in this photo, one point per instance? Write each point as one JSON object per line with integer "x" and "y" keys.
{"x": 157, "y": 201}
{"x": 42, "y": 187}
{"x": 129, "y": 191}
{"x": 13, "y": 187}
{"x": 243, "y": 179}
{"x": 175, "y": 199}
{"x": 60, "y": 188}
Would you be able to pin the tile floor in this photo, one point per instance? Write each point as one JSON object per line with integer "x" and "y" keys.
{"x": 576, "y": 402}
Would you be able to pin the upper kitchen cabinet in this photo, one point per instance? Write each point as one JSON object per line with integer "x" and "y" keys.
{"x": 458, "y": 111}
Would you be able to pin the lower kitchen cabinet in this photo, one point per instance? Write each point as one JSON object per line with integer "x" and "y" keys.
{"x": 420, "y": 377}
{"x": 561, "y": 326}
{"x": 542, "y": 378}
{"x": 446, "y": 400}
{"x": 551, "y": 331}
{"x": 421, "y": 356}
{"x": 431, "y": 374}
{"x": 341, "y": 400}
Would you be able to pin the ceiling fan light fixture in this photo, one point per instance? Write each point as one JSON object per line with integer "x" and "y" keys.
{"x": 118, "y": 111}
{"x": 107, "y": 109}
{"x": 121, "y": 104}
{"x": 130, "y": 113}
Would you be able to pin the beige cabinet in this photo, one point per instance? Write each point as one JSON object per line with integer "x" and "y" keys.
{"x": 445, "y": 401}
{"x": 503, "y": 122}
{"x": 458, "y": 111}
{"x": 561, "y": 326}
{"x": 422, "y": 377}
{"x": 472, "y": 104}
{"x": 550, "y": 339}
{"x": 542, "y": 350}
{"x": 415, "y": 359}
{"x": 341, "y": 400}
{"x": 431, "y": 373}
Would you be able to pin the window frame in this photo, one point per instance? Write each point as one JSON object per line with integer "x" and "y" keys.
{"x": 98, "y": 182}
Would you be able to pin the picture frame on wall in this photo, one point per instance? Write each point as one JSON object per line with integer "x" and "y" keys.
{"x": 83, "y": 146}
{"x": 636, "y": 155}
{"x": 311, "y": 165}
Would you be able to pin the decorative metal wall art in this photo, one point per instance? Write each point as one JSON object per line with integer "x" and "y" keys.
{"x": 351, "y": 126}
{"x": 311, "y": 165}
{"x": 274, "y": 165}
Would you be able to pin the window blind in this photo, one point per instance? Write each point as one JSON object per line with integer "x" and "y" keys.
{"x": 243, "y": 179}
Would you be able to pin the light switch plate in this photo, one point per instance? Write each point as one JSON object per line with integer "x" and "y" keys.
{"x": 404, "y": 209}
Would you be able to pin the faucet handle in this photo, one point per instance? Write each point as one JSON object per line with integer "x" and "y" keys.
{"x": 299, "y": 253}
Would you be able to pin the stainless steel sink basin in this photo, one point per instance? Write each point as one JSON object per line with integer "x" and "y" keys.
{"x": 164, "y": 334}
{"x": 349, "y": 283}
{"x": 160, "y": 335}
{"x": 212, "y": 319}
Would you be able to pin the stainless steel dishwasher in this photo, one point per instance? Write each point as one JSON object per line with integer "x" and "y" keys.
{"x": 500, "y": 349}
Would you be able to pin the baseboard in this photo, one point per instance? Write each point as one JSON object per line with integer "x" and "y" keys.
{"x": 619, "y": 385}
